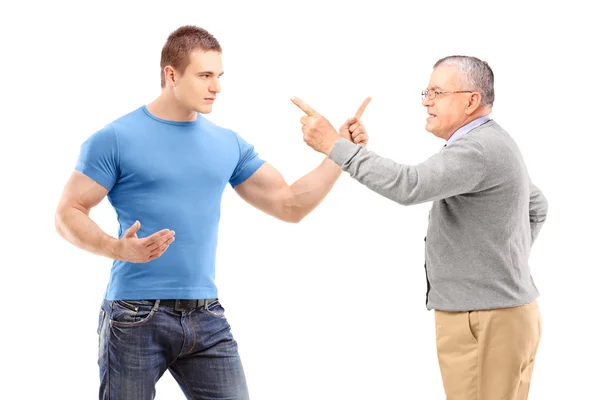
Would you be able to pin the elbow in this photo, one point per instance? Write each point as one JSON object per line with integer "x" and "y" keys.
{"x": 405, "y": 200}
{"x": 296, "y": 218}
{"x": 58, "y": 222}
{"x": 60, "y": 218}
{"x": 292, "y": 220}
{"x": 292, "y": 215}
{"x": 291, "y": 211}
{"x": 540, "y": 209}
{"x": 545, "y": 206}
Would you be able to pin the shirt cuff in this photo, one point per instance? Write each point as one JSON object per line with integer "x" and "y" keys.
{"x": 342, "y": 151}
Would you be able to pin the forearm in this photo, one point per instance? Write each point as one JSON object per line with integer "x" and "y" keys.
{"x": 397, "y": 182}
{"x": 77, "y": 227}
{"x": 308, "y": 191}
{"x": 443, "y": 175}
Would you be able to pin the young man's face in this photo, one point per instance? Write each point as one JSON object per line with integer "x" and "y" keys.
{"x": 197, "y": 86}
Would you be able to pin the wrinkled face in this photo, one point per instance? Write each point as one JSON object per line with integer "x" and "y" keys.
{"x": 197, "y": 86}
{"x": 447, "y": 111}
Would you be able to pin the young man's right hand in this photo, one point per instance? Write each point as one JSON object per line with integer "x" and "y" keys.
{"x": 132, "y": 249}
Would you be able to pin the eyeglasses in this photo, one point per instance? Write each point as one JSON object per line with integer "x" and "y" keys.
{"x": 432, "y": 94}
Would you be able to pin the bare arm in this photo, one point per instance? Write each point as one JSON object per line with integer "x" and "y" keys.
{"x": 268, "y": 191}
{"x": 72, "y": 218}
{"x": 74, "y": 224}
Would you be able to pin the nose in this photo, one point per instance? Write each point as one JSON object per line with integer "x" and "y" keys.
{"x": 215, "y": 87}
{"x": 427, "y": 102}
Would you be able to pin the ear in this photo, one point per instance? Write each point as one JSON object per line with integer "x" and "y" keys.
{"x": 474, "y": 103}
{"x": 169, "y": 72}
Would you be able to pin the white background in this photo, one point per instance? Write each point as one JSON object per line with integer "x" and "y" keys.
{"x": 331, "y": 308}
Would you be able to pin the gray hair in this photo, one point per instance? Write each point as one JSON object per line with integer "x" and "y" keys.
{"x": 475, "y": 75}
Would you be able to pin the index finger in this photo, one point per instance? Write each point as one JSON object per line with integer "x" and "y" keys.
{"x": 164, "y": 233}
{"x": 362, "y": 108}
{"x": 303, "y": 106}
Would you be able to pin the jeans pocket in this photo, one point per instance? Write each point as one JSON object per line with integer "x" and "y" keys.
{"x": 216, "y": 309}
{"x": 131, "y": 313}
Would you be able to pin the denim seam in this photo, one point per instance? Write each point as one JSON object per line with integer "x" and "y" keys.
{"x": 194, "y": 340}
{"x": 106, "y": 352}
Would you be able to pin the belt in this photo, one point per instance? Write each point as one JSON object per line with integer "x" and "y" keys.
{"x": 184, "y": 304}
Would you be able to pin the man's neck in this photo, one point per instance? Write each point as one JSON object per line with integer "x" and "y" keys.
{"x": 166, "y": 107}
{"x": 471, "y": 118}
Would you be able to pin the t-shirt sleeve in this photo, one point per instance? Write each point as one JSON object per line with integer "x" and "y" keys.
{"x": 99, "y": 157}
{"x": 248, "y": 162}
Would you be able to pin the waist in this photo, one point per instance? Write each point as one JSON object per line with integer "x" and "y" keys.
{"x": 175, "y": 304}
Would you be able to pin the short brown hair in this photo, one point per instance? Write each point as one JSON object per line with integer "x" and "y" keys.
{"x": 180, "y": 43}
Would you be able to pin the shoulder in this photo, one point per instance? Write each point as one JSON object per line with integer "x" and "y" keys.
{"x": 130, "y": 121}
{"x": 230, "y": 135}
{"x": 217, "y": 130}
{"x": 493, "y": 139}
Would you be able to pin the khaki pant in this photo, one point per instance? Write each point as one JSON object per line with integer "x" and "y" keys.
{"x": 488, "y": 355}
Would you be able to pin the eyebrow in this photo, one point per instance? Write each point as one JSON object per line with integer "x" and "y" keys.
{"x": 434, "y": 88}
{"x": 209, "y": 73}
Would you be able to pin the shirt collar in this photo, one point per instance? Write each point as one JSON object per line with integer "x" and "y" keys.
{"x": 463, "y": 130}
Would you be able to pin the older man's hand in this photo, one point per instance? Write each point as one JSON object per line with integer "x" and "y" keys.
{"x": 320, "y": 134}
{"x": 353, "y": 129}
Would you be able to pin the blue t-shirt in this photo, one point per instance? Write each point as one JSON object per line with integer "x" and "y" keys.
{"x": 171, "y": 175}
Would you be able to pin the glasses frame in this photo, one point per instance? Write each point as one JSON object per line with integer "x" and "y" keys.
{"x": 426, "y": 93}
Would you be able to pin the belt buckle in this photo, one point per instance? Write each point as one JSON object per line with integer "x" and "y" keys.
{"x": 185, "y": 305}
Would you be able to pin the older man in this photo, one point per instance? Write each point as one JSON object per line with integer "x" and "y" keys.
{"x": 485, "y": 216}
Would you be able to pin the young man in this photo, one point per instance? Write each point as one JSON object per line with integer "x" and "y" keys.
{"x": 485, "y": 217}
{"x": 164, "y": 167}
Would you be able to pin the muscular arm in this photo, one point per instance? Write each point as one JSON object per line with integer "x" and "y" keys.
{"x": 267, "y": 190}
{"x": 72, "y": 216}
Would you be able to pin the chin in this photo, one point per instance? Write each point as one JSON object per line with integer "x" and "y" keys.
{"x": 429, "y": 127}
{"x": 205, "y": 109}
{"x": 433, "y": 131}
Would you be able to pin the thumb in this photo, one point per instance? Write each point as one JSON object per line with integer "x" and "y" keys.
{"x": 132, "y": 229}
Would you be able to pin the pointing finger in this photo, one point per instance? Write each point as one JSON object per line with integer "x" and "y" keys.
{"x": 303, "y": 106}
{"x": 362, "y": 108}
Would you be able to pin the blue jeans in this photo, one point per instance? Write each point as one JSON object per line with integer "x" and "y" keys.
{"x": 196, "y": 346}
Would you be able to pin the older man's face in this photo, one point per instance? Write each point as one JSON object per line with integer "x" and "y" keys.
{"x": 447, "y": 110}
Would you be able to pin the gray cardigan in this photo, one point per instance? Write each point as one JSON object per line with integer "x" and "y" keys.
{"x": 485, "y": 216}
